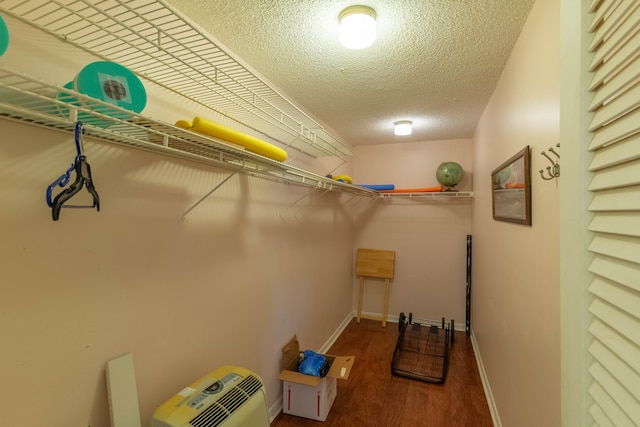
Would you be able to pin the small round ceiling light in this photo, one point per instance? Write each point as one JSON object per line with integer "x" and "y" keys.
{"x": 357, "y": 27}
{"x": 402, "y": 127}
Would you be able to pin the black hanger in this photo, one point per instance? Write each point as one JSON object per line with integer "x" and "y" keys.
{"x": 83, "y": 178}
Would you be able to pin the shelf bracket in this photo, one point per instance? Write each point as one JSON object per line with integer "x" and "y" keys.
{"x": 343, "y": 161}
{"x": 209, "y": 193}
{"x": 306, "y": 206}
{"x": 355, "y": 196}
{"x": 300, "y": 199}
{"x": 299, "y": 151}
{"x": 296, "y": 202}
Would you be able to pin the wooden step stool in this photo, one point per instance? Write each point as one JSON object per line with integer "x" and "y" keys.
{"x": 379, "y": 264}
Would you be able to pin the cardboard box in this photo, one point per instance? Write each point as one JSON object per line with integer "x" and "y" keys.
{"x": 305, "y": 395}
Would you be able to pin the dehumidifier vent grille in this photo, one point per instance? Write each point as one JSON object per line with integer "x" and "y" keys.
{"x": 250, "y": 385}
{"x": 213, "y": 416}
{"x": 217, "y": 413}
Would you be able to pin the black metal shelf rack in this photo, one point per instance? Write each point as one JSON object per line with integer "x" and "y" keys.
{"x": 422, "y": 351}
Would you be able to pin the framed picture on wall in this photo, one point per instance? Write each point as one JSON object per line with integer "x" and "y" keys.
{"x": 511, "y": 189}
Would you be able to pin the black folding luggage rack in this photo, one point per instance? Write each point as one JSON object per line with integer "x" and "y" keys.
{"x": 422, "y": 351}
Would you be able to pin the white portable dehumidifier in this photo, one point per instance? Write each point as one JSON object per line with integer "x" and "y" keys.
{"x": 230, "y": 396}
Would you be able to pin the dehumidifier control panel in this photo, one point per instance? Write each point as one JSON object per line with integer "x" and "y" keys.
{"x": 213, "y": 389}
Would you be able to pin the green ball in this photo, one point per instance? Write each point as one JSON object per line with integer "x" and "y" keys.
{"x": 449, "y": 174}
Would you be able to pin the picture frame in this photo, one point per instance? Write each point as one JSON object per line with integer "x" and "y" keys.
{"x": 511, "y": 189}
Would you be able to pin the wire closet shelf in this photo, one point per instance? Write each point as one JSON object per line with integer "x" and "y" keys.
{"x": 441, "y": 195}
{"x": 153, "y": 40}
{"x": 37, "y": 102}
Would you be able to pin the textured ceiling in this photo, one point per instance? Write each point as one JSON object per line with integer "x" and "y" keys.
{"x": 435, "y": 62}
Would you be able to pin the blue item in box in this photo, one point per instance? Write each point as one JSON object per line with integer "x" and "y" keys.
{"x": 312, "y": 363}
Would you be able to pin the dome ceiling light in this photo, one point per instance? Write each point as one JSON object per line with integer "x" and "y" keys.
{"x": 357, "y": 27}
{"x": 402, "y": 127}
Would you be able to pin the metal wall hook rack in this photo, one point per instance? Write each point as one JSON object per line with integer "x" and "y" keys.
{"x": 553, "y": 171}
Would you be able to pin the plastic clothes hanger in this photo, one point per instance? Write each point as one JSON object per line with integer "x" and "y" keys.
{"x": 83, "y": 178}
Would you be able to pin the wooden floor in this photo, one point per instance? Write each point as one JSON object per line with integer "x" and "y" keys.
{"x": 373, "y": 396}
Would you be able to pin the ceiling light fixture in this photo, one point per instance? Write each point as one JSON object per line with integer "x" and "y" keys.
{"x": 357, "y": 27}
{"x": 402, "y": 127}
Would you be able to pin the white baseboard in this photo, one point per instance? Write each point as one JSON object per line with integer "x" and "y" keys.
{"x": 275, "y": 409}
{"x": 334, "y": 336}
{"x": 493, "y": 409}
{"x": 395, "y": 319}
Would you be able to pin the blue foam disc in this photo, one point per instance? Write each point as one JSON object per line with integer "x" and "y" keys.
{"x": 4, "y": 36}
{"x": 113, "y": 84}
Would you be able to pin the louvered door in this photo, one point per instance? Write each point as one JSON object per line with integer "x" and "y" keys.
{"x": 615, "y": 207}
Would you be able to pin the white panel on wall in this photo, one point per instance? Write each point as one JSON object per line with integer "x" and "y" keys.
{"x": 123, "y": 393}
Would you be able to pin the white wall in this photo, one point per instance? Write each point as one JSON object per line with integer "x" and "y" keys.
{"x": 228, "y": 285}
{"x": 516, "y": 293}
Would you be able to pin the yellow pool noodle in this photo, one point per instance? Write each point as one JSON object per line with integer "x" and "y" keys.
{"x": 250, "y": 143}
{"x": 183, "y": 124}
{"x": 343, "y": 178}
